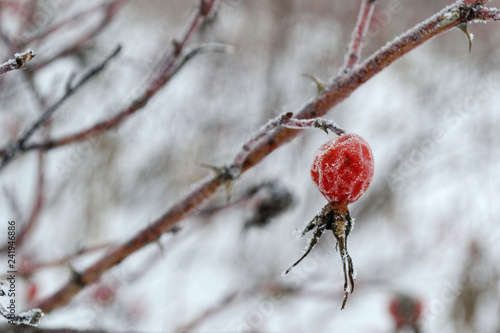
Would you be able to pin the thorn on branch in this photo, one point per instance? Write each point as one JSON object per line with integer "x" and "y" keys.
{"x": 15, "y": 148}
{"x": 177, "y": 47}
{"x": 206, "y": 7}
{"x": 227, "y": 173}
{"x": 320, "y": 85}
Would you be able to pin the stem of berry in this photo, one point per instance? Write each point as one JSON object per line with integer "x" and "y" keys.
{"x": 341, "y": 227}
{"x": 320, "y": 123}
{"x": 284, "y": 120}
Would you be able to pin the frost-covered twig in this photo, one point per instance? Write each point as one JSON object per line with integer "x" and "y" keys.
{"x": 354, "y": 53}
{"x": 323, "y": 124}
{"x": 31, "y": 317}
{"x": 344, "y": 85}
{"x": 109, "y": 12}
{"x": 19, "y": 62}
{"x": 265, "y": 130}
{"x": 41, "y": 34}
{"x": 150, "y": 234}
{"x": 284, "y": 120}
{"x": 171, "y": 63}
{"x": 341, "y": 88}
{"x": 28, "y": 267}
{"x": 488, "y": 14}
{"x": 19, "y": 145}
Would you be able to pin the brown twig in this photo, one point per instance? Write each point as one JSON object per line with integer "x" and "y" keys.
{"x": 210, "y": 312}
{"x": 109, "y": 12}
{"x": 18, "y": 146}
{"x": 19, "y": 62}
{"x": 266, "y": 288}
{"x": 171, "y": 63}
{"x": 28, "y": 268}
{"x": 341, "y": 88}
{"x": 488, "y": 14}
{"x": 354, "y": 53}
{"x": 39, "y": 35}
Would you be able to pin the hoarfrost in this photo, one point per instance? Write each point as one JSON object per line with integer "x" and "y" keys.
{"x": 31, "y": 317}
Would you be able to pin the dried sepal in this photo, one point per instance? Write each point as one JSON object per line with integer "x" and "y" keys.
{"x": 336, "y": 218}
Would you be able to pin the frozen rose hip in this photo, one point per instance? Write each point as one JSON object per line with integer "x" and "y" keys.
{"x": 343, "y": 169}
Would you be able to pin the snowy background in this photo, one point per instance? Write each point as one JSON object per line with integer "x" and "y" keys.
{"x": 427, "y": 227}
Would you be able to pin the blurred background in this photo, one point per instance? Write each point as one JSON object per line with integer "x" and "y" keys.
{"x": 426, "y": 233}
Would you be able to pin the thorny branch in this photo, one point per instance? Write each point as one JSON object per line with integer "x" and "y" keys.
{"x": 339, "y": 90}
{"x": 19, "y": 145}
{"x": 19, "y": 62}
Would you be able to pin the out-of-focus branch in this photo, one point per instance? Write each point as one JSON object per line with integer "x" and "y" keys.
{"x": 341, "y": 88}
{"x": 150, "y": 234}
{"x": 354, "y": 53}
{"x": 18, "y": 146}
{"x": 266, "y": 288}
{"x": 171, "y": 63}
{"x": 110, "y": 11}
{"x": 64, "y": 23}
{"x": 284, "y": 120}
{"x": 19, "y": 62}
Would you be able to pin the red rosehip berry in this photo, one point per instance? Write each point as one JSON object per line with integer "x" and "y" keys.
{"x": 406, "y": 311}
{"x": 343, "y": 169}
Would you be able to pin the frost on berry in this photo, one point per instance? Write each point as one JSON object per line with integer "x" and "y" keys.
{"x": 343, "y": 169}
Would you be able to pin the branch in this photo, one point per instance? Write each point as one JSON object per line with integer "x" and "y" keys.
{"x": 488, "y": 14}
{"x": 37, "y": 206}
{"x": 342, "y": 87}
{"x": 359, "y": 33}
{"x": 283, "y": 120}
{"x": 41, "y": 34}
{"x": 18, "y": 146}
{"x": 172, "y": 62}
{"x": 110, "y": 11}
{"x": 19, "y": 62}
{"x": 150, "y": 234}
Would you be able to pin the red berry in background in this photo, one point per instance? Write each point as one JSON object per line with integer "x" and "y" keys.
{"x": 406, "y": 311}
{"x": 104, "y": 295}
{"x": 343, "y": 169}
